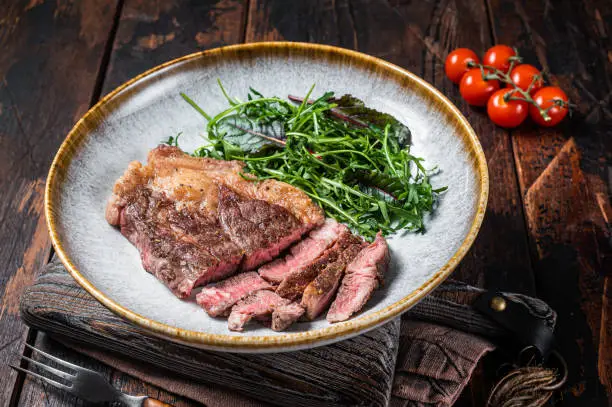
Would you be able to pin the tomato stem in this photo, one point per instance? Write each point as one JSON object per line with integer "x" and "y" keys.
{"x": 504, "y": 77}
{"x": 533, "y": 82}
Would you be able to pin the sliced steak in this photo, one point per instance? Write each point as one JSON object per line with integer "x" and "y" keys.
{"x": 180, "y": 261}
{"x": 169, "y": 209}
{"x": 218, "y": 299}
{"x": 261, "y": 229}
{"x": 285, "y": 315}
{"x": 304, "y": 252}
{"x": 343, "y": 251}
{"x": 320, "y": 292}
{"x": 260, "y": 305}
{"x": 361, "y": 278}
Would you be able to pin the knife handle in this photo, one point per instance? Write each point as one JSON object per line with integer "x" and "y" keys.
{"x": 151, "y": 402}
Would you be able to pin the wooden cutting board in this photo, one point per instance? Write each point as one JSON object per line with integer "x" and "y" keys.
{"x": 358, "y": 371}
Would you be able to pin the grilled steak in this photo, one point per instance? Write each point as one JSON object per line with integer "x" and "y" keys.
{"x": 218, "y": 299}
{"x": 343, "y": 251}
{"x": 261, "y": 229}
{"x": 361, "y": 278}
{"x": 180, "y": 260}
{"x": 195, "y": 219}
{"x": 320, "y": 292}
{"x": 199, "y": 220}
{"x": 304, "y": 252}
{"x": 260, "y": 305}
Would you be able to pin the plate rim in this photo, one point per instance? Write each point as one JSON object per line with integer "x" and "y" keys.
{"x": 294, "y": 340}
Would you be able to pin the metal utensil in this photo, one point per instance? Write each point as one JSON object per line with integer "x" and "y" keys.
{"x": 85, "y": 384}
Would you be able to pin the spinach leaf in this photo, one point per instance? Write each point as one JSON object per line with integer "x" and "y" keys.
{"x": 355, "y": 109}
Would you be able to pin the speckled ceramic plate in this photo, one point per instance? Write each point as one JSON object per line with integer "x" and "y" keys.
{"x": 135, "y": 117}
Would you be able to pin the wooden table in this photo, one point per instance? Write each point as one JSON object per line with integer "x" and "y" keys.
{"x": 545, "y": 231}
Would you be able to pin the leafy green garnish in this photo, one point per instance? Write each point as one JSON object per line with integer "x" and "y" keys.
{"x": 352, "y": 160}
{"x": 173, "y": 140}
{"x": 248, "y": 134}
{"x": 356, "y": 109}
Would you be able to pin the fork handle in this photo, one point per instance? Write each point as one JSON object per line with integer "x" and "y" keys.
{"x": 151, "y": 402}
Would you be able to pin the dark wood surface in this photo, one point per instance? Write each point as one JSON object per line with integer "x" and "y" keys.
{"x": 545, "y": 230}
{"x": 49, "y": 63}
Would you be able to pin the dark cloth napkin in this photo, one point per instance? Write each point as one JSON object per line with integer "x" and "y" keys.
{"x": 440, "y": 342}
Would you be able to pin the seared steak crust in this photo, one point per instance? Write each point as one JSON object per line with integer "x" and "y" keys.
{"x": 180, "y": 260}
{"x": 193, "y": 181}
{"x": 320, "y": 292}
{"x": 261, "y": 229}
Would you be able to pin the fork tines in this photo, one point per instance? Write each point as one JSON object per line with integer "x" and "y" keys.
{"x": 59, "y": 373}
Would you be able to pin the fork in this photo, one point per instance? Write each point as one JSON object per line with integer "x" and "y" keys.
{"x": 85, "y": 384}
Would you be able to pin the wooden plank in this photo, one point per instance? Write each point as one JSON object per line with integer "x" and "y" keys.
{"x": 562, "y": 175}
{"x": 417, "y": 36}
{"x": 45, "y": 86}
{"x": 354, "y": 372}
{"x": 151, "y": 33}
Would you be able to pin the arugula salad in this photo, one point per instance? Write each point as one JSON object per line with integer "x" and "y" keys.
{"x": 352, "y": 160}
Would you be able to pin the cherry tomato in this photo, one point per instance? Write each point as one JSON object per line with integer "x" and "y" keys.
{"x": 498, "y": 57}
{"x": 504, "y": 113}
{"x": 545, "y": 98}
{"x": 457, "y": 63}
{"x": 523, "y": 75}
{"x": 475, "y": 90}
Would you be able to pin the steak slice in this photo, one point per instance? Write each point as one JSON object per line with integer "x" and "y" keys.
{"x": 261, "y": 229}
{"x": 260, "y": 305}
{"x": 180, "y": 261}
{"x": 361, "y": 278}
{"x": 285, "y": 315}
{"x": 343, "y": 251}
{"x": 320, "y": 292}
{"x": 304, "y": 252}
{"x": 218, "y": 299}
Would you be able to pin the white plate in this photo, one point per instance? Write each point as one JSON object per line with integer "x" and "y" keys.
{"x": 136, "y": 117}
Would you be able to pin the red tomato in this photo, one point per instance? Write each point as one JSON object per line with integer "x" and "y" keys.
{"x": 457, "y": 63}
{"x": 523, "y": 75}
{"x": 545, "y": 98}
{"x": 475, "y": 90}
{"x": 504, "y": 113}
{"x": 498, "y": 57}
